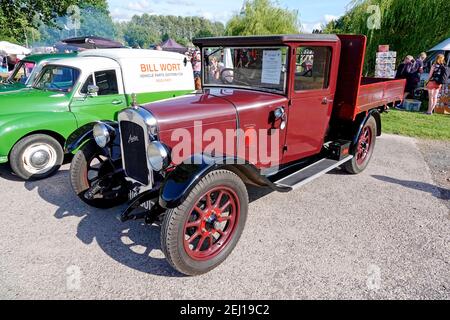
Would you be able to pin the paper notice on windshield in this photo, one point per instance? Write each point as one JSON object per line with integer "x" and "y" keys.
{"x": 271, "y": 73}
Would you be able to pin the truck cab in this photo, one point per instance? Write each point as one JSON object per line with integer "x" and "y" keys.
{"x": 275, "y": 111}
{"x": 69, "y": 95}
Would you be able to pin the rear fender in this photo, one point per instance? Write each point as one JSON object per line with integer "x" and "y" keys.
{"x": 360, "y": 125}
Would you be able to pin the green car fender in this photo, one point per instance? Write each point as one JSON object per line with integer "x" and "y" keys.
{"x": 16, "y": 126}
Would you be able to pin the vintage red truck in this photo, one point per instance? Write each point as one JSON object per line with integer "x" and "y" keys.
{"x": 300, "y": 99}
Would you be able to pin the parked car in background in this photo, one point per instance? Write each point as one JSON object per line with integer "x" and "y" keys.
{"x": 299, "y": 98}
{"x": 70, "y": 93}
{"x": 27, "y": 69}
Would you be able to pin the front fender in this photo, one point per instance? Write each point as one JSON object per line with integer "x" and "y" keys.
{"x": 179, "y": 183}
{"x": 182, "y": 180}
{"x": 85, "y": 133}
{"x": 14, "y": 127}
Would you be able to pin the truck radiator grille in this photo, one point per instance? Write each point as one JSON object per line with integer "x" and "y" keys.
{"x": 134, "y": 153}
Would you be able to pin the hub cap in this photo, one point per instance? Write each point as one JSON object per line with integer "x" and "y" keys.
{"x": 211, "y": 223}
{"x": 364, "y": 145}
{"x": 39, "y": 158}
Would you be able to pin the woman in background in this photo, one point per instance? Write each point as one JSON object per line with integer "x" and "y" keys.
{"x": 438, "y": 77}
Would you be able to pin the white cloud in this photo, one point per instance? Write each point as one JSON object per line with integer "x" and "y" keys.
{"x": 329, "y": 17}
{"x": 309, "y": 27}
{"x": 142, "y": 5}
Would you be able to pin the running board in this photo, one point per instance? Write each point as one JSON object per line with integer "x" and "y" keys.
{"x": 310, "y": 173}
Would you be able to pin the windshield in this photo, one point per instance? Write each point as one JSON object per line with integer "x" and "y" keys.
{"x": 247, "y": 67}
{"x": 22, "y": 72}
{"x": 57, "y": 78}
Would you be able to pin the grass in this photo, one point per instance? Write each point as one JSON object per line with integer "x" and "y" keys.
{"x": 418, "y": 125}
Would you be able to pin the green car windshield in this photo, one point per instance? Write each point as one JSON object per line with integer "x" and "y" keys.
{"x": 57, "y": 78}
{"x": 22, "y": 72}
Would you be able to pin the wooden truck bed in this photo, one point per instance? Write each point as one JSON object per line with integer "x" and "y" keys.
{"x": 374, "y": 92}
{"x": 355, "y": 93}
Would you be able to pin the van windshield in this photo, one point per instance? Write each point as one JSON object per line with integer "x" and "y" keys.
{"x": 246, "y": 67}
{"x": 57, "y": 78}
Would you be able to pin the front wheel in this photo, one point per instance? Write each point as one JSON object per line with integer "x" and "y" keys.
{"x": 199, "y": 234}
{"x": 87, "y": 167}
{"x": 35, "y": 157}
{"x": 364, "y": 148}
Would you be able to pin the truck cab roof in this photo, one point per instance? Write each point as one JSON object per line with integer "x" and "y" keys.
{"x": 264, "y": 40}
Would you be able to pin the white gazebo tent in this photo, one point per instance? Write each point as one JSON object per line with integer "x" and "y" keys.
{"x": 7, "y": 48}
{"x": 443, "y": 46}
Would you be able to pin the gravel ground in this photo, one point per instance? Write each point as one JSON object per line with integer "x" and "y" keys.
{"x": 437, "y": 156}
{"x": 381, "y": 234}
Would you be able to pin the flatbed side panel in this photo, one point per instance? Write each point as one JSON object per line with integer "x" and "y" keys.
{"x": 378, "y": 92}
{"x": 353, "y": 48}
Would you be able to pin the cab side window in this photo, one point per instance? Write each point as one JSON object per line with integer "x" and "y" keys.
{"x": 106, "y": 81}
{"x": 313, "y": 68}
{"x": 89, "y": 82}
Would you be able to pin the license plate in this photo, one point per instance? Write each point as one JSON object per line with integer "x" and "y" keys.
{"x": 134, "y": 193}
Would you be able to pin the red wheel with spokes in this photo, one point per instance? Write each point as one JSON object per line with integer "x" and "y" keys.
{"x": 364, "y": 144}
{"x": 200, "y": 233}
{"x": 364, "y": 148}
{"x": 211, "y": 223}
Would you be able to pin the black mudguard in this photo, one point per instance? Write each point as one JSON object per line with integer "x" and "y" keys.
{"x": 84, "y": 134}
{"x": 179, "y": 183}
{"x": 374, "y": 113}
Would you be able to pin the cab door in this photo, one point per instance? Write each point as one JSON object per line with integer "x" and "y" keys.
{"x": 103, "y": 105}
{"x": 313, "y": 83}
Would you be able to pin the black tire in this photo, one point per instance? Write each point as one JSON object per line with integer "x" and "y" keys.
{"x": 20, "y": 157}
{"x": 356, "y": 166}
{"x": 173, "y": 226}
{"x": 79, "y": 178}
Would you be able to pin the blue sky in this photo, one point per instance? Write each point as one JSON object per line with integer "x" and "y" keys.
{"x": 312, "y": 12}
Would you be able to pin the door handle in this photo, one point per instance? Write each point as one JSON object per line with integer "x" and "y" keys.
{"x": 116, "y": 102}
{"x": 326, "y": 101}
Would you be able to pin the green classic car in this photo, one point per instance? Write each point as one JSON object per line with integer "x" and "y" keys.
{"x": 27, "y": 69}
{"x": 74, "y": 93}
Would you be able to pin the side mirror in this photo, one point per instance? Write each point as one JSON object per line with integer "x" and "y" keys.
{"x": 92, "y": 89}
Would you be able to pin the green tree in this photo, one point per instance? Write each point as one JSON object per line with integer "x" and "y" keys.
{"x": 408, "y": 26}
{"x": 17, "y": 16}
{"x": 146, "y": 30}
{"x": 263, "y": 17}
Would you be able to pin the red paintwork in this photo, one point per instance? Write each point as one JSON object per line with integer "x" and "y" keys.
{"x": 308, "y": 112}
{"x": 200, "y": 226}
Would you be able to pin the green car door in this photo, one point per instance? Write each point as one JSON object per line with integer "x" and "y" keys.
{"x": 100, "y": 97}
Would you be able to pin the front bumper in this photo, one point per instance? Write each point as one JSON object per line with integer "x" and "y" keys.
{"x": 3, "y": 159}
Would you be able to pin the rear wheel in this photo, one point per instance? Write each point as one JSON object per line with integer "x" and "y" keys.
{"x": 364, "y": 148}
{"x": 199, "y": 234}
{"x": 37, "y": 156}
{"x": 87, "y": 167}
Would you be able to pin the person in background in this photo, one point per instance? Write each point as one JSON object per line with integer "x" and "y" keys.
{"x": 11, "y": 61}
{"x": 197, "y": 68}
{"x": 405, "y": 71}
{"x": 438, "y": 77}
{"x": 158, "y": 48}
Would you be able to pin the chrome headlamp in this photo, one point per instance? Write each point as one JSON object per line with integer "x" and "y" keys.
{"x": 102, "y": 134}
{"x": 158, "y": 156}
